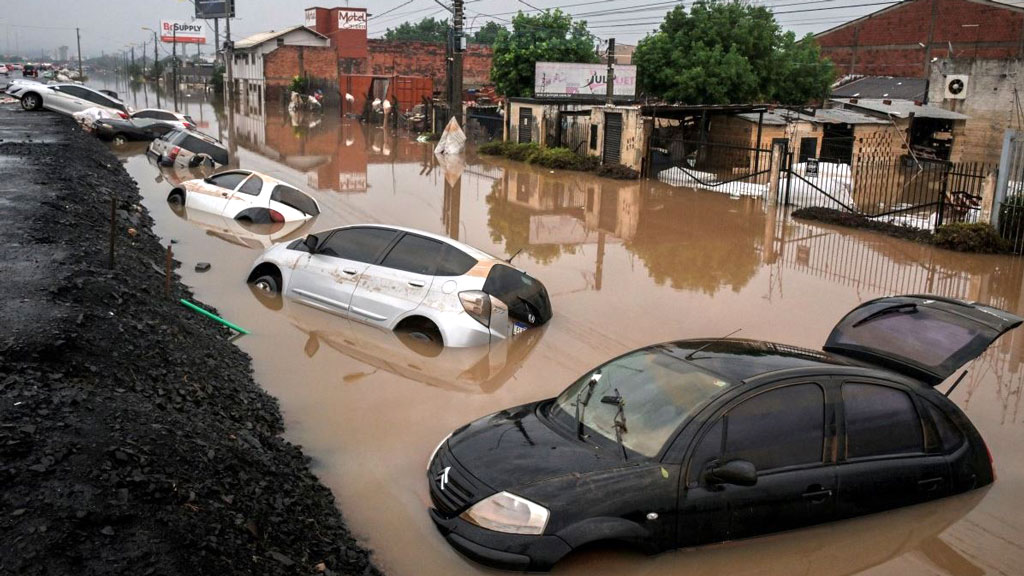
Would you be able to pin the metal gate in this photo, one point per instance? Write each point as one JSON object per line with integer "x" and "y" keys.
{"x": 1008, "y": 216}
{"x": 525, "y": 125}
{"x": 612, "y": 138}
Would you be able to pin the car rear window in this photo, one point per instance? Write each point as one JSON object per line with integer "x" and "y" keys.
{"x": 880, "y": 421}
{"x": 524, "y": 296}
{"x": 198, "y": 146}
{"x": 291, "y": 197}
{"x": 950, "y": 437}
{"x": 414, "y": 254}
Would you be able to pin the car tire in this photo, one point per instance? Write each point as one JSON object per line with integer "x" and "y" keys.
{"x": 267, "y": 283}
{"x": 119, "y": 140}
{"x": 176, "y": 197}
{"x": 31, "y": 101}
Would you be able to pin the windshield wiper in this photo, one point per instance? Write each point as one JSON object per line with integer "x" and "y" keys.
{"x": 908, "y": 308}
{"x": 589, "y": 388}
{"x": 620, "y": 419}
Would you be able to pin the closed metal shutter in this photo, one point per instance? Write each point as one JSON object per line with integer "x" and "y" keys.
{"x": 612, "y": 138}
{"x": 525, "y": 125}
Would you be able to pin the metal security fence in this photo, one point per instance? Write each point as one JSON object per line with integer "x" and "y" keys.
{"x": 484, "y": 127}
{"x": 736, "y": 167}
{"x": 575, "y": 132}
{"x": 1009, "y": 211}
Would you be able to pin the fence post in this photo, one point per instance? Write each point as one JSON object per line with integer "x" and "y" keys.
{"x": 1004, "y": 169}
{"x": 940, "y": 214}
{"x": 989, "y": 210}
{"x": 774, "y": 178}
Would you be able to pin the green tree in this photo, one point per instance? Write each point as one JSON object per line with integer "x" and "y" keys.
{"x": 546, "y": 37}
{"x": 487, "y": 34}
{"x": 426, "y": 30}
{"x": 724, "y": 52}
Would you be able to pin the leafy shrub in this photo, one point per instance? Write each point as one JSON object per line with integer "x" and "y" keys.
{"x": 850, "y": 220}
{"x": 300, "y": 84}
{"x": 562, "y": 158}
{"x": 493, "y": 148}
{"x": 520, "y": 152}
{"x": 618, "y": 172}
{"x": 964, "y": 237}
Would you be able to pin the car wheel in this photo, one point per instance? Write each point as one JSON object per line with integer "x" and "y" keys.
{"x": 267, "y": 283}
{"x": 31, "y": 101}
{"x": 176, "y": 197}
{"x": 119, "y": 140}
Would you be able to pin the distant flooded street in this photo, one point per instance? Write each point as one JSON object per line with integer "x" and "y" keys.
{"x": 627, "y": 263}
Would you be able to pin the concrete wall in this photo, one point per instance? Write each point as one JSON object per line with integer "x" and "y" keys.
{"x": 991, "y": 103}
{"x": 635, "y": 132}
{"x": 889, "y": 42}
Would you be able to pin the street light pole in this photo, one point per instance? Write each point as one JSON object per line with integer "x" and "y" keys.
{"x": 78, "y": 37}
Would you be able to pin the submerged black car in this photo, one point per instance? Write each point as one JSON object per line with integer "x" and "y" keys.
{"x": 699, "y": 441}
{"x": 136, "y": 129}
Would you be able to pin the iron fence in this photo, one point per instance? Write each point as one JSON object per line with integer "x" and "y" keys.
{"x": 575, "y": 132}
{"x": 484, "y": 127}
{"x": 734, "y": 167}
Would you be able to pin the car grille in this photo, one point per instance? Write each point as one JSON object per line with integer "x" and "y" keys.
{"x": 460, "y": 490}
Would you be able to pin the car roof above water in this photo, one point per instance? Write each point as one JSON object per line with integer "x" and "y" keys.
{"x": 474, "y": 252}
{"x": 744, "y": 360}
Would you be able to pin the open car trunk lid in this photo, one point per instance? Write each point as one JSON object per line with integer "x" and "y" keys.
{"x": 924, "y": 337}
{"x": 525, "y": 296}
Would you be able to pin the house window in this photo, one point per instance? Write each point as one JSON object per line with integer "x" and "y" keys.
{"x": 280, "y": 42}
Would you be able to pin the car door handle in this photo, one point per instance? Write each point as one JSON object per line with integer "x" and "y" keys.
{"x": 817, "y": 495}
{"x": 929, "y": 484}
{"x": 224, "y": 194}
{"x": 350, "y": 271}
{"x": 417, "y": 283}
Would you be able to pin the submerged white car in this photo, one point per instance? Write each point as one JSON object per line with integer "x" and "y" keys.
{"x": 245, "y": 195}
{"x": 64, "y": 98}
{"x": 402, "y": 279}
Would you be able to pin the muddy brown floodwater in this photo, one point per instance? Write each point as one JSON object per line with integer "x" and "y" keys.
{"x": 627, "y": 264}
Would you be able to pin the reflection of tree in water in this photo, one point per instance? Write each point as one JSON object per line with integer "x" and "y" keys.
{"x": 684, "y": 243}
{"x": 509, "y": 224}
{"x": 1001, "y": 363}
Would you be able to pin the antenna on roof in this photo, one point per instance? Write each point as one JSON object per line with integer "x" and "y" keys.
{"x": 710, "y": 342}
{"x": 509, "y": 259}
{"x": 958, "y": 381}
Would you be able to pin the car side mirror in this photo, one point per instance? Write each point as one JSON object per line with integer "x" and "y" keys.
{"x": 738, "y": 472}
{"x": 311, "y": 243}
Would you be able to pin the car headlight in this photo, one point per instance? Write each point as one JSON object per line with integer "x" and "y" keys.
{"x": 504, "y": 512}
{"x": 434, "y": 453}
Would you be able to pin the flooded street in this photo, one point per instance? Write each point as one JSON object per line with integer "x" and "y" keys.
{"x": 626, "y": 263}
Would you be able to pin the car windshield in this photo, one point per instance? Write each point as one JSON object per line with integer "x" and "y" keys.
{"x": 655, "y": 390}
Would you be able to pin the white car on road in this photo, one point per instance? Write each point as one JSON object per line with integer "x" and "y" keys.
{"x": 402, "y": 279}
{"x": 245, "y": 195}
{"x": 64, "y": 98}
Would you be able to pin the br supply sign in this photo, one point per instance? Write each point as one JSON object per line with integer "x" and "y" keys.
{"x": 182, "y": 32}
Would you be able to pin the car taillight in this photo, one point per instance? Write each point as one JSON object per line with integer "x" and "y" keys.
{"x": 478, "y": 305}
{"x": 189, "y": 126}
{"x": 276, "y": 216}
{"x": 174, "y": 152}
{"x": 122, "y": 115}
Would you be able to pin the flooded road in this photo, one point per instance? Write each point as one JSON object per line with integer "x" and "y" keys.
{"x": 626, "y": 264}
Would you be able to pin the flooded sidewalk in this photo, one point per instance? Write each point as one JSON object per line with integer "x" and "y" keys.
{"x": 626, "y": 263}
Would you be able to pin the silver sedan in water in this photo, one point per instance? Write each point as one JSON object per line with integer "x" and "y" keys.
{"x": 408, "y": 280}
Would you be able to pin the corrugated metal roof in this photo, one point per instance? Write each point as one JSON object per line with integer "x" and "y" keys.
{"x": 260, "y": 38}
{"x": 780, "y": 117}
{"x": 902, "y": 109}
{"x": 884, "y": 87}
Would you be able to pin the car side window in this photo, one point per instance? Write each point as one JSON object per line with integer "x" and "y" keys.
{"x": 164, "y": 116}
{"x": 778, "y": 428}
{"x": 708, "y": 450}
{"x": 253, "y": 186}
{"x": 359, "y": 244}
{"x": 229, "y": 180}
{"x": 414, "y": 254}
{"x": 143, "y": 114}
{"x": 880, "y": 421}
{"x": 950, "y": 436}
{"x": 454, "y": 262}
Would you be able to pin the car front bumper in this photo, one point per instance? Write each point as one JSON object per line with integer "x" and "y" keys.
{"x": 500, "y": 550}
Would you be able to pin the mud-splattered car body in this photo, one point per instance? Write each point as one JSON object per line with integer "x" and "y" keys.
{"x": 245, "y": 195}
{"x": 404, "y": 279}
{"x": 699, "y": 441}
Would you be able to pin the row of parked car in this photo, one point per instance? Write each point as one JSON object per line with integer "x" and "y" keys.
{"x": 676, "y": 444}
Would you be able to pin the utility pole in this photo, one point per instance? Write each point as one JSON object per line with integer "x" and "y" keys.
{"x": 78, "y": 36}
{"x": 131, "y": 71}
{"x": 144, "y": 60}
{"x": 457, "y": 49}
{"x": 174, "y": 63}
{"x": 156, "y": 59}
{"x": 610, "y": 80}
{"x": 229, "y": 56}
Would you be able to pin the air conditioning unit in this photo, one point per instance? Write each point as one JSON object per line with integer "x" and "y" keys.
{"x": 956, "y": 86}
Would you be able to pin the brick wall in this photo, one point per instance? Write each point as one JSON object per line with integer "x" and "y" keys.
{"x": 426, "y": 59}
{"x": 320, "y": 63}
{"x": 888, "y": 42}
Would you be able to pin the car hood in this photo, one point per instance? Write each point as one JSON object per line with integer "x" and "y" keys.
{"x": 518, "y": 446}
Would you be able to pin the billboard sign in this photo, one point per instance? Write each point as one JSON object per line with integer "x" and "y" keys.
{"x": 571, "y": 80}
{"x": 182, "y": 32}
{"x": 351, "y": 19}
{"x": 311, "y": 18}
{"x": 214, "y": 9}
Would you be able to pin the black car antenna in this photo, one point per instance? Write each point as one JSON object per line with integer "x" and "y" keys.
{"x": 710, "y": 342}
{"x": 510, "y": 258}
{"x": 958, "y": 381}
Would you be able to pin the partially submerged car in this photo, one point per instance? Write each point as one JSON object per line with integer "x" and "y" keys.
{"x": 64, "y": 98}
{"x": 120, "y": 131}
{"x": 187, "y": 149}
{"x": 404, "y": 279}
{"x": 699, "y": 441}
{"x": 246, "y": 195}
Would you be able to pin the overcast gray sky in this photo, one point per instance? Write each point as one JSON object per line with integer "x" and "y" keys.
{"x": 32, "y": 26}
